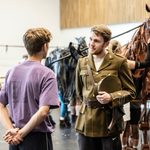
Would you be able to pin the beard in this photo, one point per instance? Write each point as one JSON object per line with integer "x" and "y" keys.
{"x": 96, "y": 52}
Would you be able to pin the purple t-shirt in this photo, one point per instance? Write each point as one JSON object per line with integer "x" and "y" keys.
{"x": 27, "y": 87}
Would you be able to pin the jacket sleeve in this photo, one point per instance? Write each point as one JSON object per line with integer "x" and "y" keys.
{"x": 128, "y": 92}
{"x": 78, "y": 82}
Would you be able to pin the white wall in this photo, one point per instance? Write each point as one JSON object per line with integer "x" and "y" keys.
{"x": 69, "y": 34}
{"x": 16, "y": 17}
{"x": 19, "y": 15}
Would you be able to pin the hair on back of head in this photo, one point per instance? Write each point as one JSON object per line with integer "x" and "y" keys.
{"x": 35, "y": 38}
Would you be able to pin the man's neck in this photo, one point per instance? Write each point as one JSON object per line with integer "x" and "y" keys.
{"x": 100, "y": 56}
{"x": 35, "y": 58}
{"x": 98, "y": 59}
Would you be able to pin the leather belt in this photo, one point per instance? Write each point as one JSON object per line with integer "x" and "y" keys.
{"x": 94, "y": 104}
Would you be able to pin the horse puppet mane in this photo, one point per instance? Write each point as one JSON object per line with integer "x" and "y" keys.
{"x": 136, "y": 49}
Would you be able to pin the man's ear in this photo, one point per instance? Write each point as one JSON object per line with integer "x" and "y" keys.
{"x": 106, "y": 44}
{"x": 44, "y": 47}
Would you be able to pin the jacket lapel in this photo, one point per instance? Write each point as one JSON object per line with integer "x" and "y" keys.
{"x": 107, "y": 61}
{"x": 90, "y": 62}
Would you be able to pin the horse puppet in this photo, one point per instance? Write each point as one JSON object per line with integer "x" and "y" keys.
{"x": 63, "y": 62}
{"x": 136, "y": 50}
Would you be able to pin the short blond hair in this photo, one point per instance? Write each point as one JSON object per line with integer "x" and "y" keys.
{"x": 35, "y": 38}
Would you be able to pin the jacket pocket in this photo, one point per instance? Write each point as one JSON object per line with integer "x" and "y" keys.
{"x": 84, "y": 75}
{"x": 105, "y": 73}
{"x": 81, "y": 119}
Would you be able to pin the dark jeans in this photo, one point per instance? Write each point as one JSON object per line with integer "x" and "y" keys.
{"x": 35, "y": 141}
{"x": 99, "y": 143}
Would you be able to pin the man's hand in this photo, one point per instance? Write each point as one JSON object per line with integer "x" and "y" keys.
{"x": 103, "y": 97}
{"x": 12, "y": 136}
{"x": 17, "y": 139}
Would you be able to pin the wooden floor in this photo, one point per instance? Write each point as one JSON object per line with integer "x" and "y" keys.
{"x": 63, "y": 139}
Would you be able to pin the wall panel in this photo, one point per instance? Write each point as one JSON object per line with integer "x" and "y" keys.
{"x": 83, "y": 13}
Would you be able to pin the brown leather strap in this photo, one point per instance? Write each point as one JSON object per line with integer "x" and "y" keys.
{"x": 95, "y": 92}
{"x": 90, "y": 74}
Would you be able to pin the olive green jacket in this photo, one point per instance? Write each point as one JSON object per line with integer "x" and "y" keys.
{"x": 94, "y": 122}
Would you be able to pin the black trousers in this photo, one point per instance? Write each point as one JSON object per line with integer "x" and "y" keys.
{"x": 99, "y": 143}
{"x": 35, "y": 141}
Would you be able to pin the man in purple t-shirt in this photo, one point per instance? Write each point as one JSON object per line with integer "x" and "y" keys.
{"x": 29, "y": 92}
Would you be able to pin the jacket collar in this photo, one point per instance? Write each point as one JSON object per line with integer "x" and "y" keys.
{"x": 106, "y": 62}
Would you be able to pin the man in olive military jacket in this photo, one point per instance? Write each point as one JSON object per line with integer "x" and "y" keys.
{"x": 94, "y": 123}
